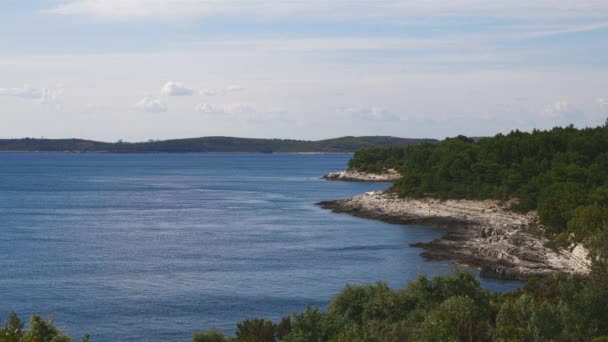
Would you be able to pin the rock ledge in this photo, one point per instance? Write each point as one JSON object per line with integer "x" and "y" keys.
{"x": 355, "y": 176}
{"x": 481, "y": 234}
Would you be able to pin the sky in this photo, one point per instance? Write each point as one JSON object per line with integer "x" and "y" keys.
{"x": 151, "y": 69}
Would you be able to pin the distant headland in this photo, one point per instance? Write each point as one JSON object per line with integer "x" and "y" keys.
{"x": 218, "y": 144}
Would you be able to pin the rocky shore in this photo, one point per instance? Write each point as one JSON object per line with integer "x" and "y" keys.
{"x": 483, "y": 234}
{"x": 356, "y": 176}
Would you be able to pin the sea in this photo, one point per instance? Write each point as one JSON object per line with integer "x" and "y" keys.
{"x": 153, "y": 247}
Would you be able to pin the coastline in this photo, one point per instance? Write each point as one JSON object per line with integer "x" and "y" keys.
{"x": 356, "y": 176}
{"x": 111, "y": 152}
{"x": 481, "y": 234}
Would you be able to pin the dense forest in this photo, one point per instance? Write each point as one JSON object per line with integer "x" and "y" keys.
{"x": 207, "y": 144}
{"x": 562, "y": 173}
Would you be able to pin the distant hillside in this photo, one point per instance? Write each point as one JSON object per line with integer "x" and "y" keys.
{"x": 207, "y": 144}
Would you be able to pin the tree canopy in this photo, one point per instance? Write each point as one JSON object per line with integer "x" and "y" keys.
{"x": 562, "y": 173}
{"x": 449, "y": 308}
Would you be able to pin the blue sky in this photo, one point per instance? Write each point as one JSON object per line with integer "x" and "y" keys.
{"x": 149, "y": 69}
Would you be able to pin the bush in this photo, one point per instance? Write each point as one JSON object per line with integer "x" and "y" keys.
{"x": 557, "y": 203}
{"x": 212, "y": 335}
{"x": 255, "y": 330}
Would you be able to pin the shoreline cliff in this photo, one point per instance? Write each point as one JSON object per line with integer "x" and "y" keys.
{"x": 482, "y": 234}
{"x": 356, "y": 176}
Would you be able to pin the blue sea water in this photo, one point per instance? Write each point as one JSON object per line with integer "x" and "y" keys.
{"x": 152, "y": 247}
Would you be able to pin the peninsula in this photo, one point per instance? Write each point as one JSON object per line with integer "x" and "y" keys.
{"x": 515, "y": 206}
{"x": 482, "y": 234}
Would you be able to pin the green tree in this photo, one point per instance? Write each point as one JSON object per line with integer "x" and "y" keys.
{"x": 42, "y": 330}
{"x": 309, "y": 326}
{"x": 283, "y": 328}
{"x": 587, "y": 221}
{"x": 12, "y": 330}
{"x": 255, "y": 330}
{"x": 557, "y": 204}
{"x": 211, "y": 335}
{"x": 455, "y": 319}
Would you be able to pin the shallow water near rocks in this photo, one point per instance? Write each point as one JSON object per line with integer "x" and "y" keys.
{"x": 155, "y": 246}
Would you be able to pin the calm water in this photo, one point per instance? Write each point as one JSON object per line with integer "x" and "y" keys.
{"x": 154, "y": 247}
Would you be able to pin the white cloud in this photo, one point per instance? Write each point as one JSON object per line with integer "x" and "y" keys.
{"x": 306, "y": 86}
{"x": 175, "y": 89}
{"x": 97, "y": 107}
{"x": 237, "y": 109}
{"x": 206, "y": 108}
{"x": 557, "y": 109}
{"x": 563, "y": 112}
{"x": 231, "y": 109}
{"x": 26, "y": 92}
{"x": 233, "y": 88}
{"x": 603, "y": 105}
{"x": 42, "y": 95}
{"x": 371, "y": 113}
{"x": 45, "y": 95}
{"x": 138, "y": 9}
{"x": 270, "y": 116}
{"x": 51, "y": 95}
{"x": 151, "y": 105}
{"x": 208, "y": 92}
{"x": 228, "y": 89}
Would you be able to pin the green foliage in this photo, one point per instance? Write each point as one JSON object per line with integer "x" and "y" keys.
{"x": 211, "y": 335}
{"x": 559, "y": 172}
{"x": 310, "y": 326}
{"x": 588, "y": 220}
{"x": 14, "y": 325}
{"x": 525, "y": 319}
{"x": 456, "y": 319}
{"x": 598, "y": 281}
{"x": 457, "y": 308}
{"x": 557, "y": 203}
{"x": 255, "y": 330}
{"x": 13, "y": 329}
{"x": 40, "y": 330}
{"x": 445, "y": 308}
{"x": 283, "y": 328}
{"x": 377, "y": 160}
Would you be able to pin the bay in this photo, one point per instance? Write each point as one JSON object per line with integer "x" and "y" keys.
{"x": 132, "y": 247}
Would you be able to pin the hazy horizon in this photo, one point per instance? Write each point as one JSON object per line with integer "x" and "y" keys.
{"x": 136, "y": 70}
{"x": 208, "y": 136}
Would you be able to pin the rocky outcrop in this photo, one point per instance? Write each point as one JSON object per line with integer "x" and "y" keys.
{"x": 355, "y": 176}
{"x": 483, "y": 234}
